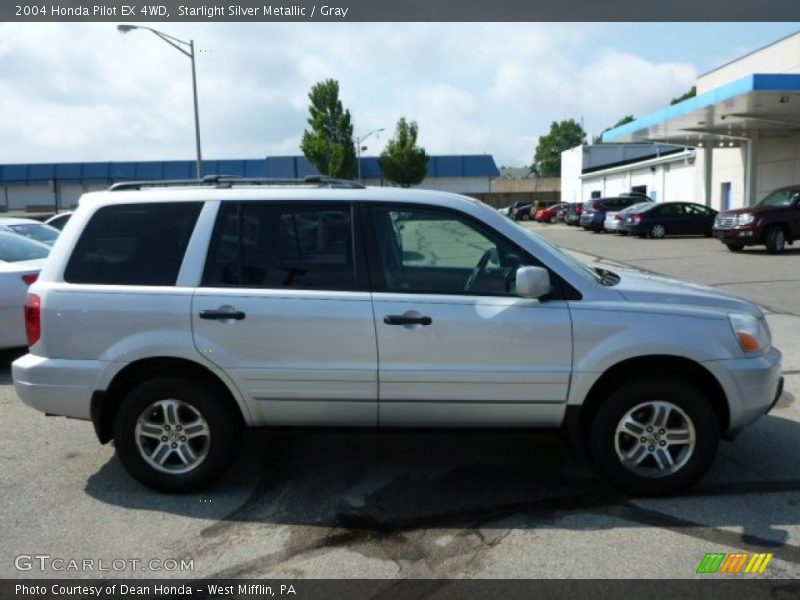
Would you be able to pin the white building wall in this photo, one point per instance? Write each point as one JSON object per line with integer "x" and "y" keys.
{"x": 778, "y": 163}
{"x": 666, "y": 182}
{"x": 781, "y": 57}
{"x": 571, "y": 167}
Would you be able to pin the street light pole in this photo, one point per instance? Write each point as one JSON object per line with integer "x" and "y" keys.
{"x": 179, "y": 45}
{"x": 359, "y": 141}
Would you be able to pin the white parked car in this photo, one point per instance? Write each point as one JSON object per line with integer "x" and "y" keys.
{"x": 172, "y": 316}
{"x": 30, "y": 228}
{"x": 20, "y": 262}
{"x": 615, "y": 219}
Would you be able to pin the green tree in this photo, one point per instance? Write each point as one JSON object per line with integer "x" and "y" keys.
{"x": 598, "y": 139}
{"x": 329, "y": 144}
{"x": 563, "y": 136}
{"x": 690, "y": 94}
{"x": 402, "y": 161}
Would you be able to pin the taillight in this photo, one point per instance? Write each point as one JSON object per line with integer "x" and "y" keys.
{"x": 617, "y": 218}
{"x": 597, "y": 206}
{"x": 33, "y": 320}
{"x": 637, "y": 218}
{"x": 30, "y": 278}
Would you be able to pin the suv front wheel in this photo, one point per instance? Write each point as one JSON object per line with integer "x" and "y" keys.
{"x": 654, "y": 437}
{"x": 174, "y": 434}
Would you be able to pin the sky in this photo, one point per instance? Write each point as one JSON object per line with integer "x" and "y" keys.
{"x": 84, "y": 92}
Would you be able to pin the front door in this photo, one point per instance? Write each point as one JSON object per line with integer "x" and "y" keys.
{"x": 456, "y": 346}
{"x": 283, "y": 311}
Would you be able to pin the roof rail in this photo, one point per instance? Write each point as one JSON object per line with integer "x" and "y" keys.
{"x": 227, "y": 181}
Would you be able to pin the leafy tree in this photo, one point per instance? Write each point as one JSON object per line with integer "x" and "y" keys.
{"x": 563, "y": 136}
{"x": 598, "y": 139}
{"x": 402, "y": 161}
{"x": 690, "y": 94}
{"x": 329, "y": 144}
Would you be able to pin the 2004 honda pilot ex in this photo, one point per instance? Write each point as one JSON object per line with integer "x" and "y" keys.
{"x": 173, "y": 315}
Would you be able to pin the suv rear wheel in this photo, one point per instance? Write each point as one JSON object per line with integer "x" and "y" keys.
{"x": 174, "y": 434}
{"x": 654, "y": 437}
{"x": 775, "y": 240}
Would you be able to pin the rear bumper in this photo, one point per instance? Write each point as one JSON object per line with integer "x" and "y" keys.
{"x": 56, "y": 386}
{"x": 12, "y": 327}
{"x": 752, "y": 386}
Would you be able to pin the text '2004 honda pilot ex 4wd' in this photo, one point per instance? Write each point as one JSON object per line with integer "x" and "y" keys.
{"x": 173, "y": 315}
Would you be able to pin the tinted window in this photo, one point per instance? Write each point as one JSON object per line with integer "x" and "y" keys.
{"x": 697, "y": 209}
{"x": 14, "y": 248}
{"x": 433, "y": 251}
{"x": 671, "y": 210}
{"x": 133, "y": 244}
{"x": 300, "y": 246}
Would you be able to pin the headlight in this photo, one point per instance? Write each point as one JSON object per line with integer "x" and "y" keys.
{"x": 753, "y": 333}
{"x": 744, "y": 219}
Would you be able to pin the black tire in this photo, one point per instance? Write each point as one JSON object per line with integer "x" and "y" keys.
{"x": 775, "y": 239}
{"x": 526, "y": 217}
{"x": 222, "y": 422}
{"x": 602, "y": 436}
{"x": 734, "y": 247}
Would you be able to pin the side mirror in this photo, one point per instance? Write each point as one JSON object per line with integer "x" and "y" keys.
{"x": 533, "y": 282}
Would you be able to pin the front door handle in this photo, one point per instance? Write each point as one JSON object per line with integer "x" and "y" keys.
{"x": 406, "y": 320}
{"x": 218, "y": 315}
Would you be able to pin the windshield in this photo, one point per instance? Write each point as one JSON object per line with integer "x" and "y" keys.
{"x": 779, "y": 198}
{"x": 14, "y": 248}
{"x": 36, "y": 231}
{"x": 598, "y": 277}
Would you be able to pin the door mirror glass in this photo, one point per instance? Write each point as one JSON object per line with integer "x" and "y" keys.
{"x": 533, "y": 282}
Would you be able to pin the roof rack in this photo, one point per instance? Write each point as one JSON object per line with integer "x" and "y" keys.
{"x": 227, "y": 181}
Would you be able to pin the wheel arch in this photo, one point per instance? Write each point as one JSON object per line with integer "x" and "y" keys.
{"x": 105, "y": 403}
{"x": 579, "y": 421}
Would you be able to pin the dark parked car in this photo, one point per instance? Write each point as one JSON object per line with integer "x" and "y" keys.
{"x": 522, "y": 212}
{"x": 572, "y": 213}
{"x": 671, "y": 218}
{"x": 510, "y": 210}
{"x": 594, "y": 211}
{"x": 774, "y": 222}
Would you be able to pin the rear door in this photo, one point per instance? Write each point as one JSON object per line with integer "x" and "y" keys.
{"x": 456, "y": 345}
{"x": 285, "y": 310}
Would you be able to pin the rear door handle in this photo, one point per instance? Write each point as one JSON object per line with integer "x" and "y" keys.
{"x": 404, "y": 320}
{"x": 218, "y": 315}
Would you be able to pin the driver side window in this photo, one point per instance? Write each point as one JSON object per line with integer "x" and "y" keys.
{"x": 440, "y": 252}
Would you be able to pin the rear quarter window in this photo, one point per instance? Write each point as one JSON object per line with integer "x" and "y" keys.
{"x": 133, "y": 244}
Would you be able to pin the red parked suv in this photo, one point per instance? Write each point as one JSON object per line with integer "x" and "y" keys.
{"x": 774, "y": 222}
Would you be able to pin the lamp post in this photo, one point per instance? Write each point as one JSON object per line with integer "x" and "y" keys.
{"x": 181, "y": 46}
{"x": 360, "y": 140}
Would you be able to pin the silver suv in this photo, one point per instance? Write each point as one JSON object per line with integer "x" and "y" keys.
{"x": 173, "y": 315}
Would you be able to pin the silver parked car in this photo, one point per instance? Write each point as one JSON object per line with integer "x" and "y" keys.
{"x": 20, "y": 261}
{"x": 171, "y": 316}
{"x": 30, "y": 228}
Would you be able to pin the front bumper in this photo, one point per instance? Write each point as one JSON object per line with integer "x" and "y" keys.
{"x": 752, "y": 386}
{"x": 741, "y": 235}
{"x": 57, "y": 386}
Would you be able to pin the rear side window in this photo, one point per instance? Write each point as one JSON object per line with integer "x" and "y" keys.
{"x": 133, "y": 244}
{"x": 299, "y": 246}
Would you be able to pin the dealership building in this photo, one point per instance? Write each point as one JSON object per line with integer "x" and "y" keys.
{"x": 727, "y": 147}
{"x": 57, "y": 186}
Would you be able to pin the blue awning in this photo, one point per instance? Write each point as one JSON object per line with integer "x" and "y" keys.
{"x": 758, "y": 102}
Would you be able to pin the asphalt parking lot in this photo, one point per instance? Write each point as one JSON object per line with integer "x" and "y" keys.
{"x": 340, "y": 504}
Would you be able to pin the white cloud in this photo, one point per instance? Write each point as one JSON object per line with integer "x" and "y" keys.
{"x": 85, "y": 92}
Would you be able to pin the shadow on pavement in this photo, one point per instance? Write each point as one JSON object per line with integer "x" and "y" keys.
{"x": 365, "y": 486}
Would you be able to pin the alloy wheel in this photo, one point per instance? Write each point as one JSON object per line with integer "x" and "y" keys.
{"x": 172, "y": 436}
{"x": 655, "y": 439}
